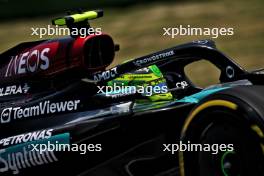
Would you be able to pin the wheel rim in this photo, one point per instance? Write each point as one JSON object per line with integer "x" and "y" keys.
{"x": 229, "y": 164}
{"x": 220, "y": 126}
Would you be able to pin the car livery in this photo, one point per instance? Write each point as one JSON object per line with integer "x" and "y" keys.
{"x": 66, "y": 103}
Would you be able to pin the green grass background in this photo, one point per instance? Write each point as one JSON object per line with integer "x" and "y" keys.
{"x": 138, "y": 29}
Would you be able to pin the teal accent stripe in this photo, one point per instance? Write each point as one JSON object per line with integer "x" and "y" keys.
{"x": 195, "y": 98}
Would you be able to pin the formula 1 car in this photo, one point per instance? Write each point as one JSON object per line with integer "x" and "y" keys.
{"x": 63, "y": 111}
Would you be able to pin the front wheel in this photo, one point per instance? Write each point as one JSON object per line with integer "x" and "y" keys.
{"x": 230, "y": 124}
{"x": 235, "y": 150}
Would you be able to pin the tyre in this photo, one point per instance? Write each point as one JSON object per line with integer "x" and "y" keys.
{"x": 229, "y": 125}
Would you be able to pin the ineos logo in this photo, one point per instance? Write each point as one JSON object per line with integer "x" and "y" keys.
{"x": 28, "y": 62}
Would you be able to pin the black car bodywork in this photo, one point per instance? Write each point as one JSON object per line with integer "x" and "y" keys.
{"x": 130, "y": 134}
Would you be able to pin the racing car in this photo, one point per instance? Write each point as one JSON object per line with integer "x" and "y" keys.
{"x": 129, "y": 119}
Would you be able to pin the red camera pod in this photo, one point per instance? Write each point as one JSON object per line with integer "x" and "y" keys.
{"x": 46, "y": 59}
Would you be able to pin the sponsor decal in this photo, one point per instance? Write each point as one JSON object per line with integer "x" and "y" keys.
{"x": 43, "y": 108}
{"x": 153, "y": 58}
{"x": 31, "y": 61}
{"x": 28, "y": 62}
{"x": 106, "y": 74}
{"x": 145, "y": 70}
{"x": 230, "y": 72}
{"x": 19, "y": 157}
{"x": 182, "y": 84}
{"x": 27, "y": 137}
{"x": 203, "y": 42}
{"x": 14, "y": 90}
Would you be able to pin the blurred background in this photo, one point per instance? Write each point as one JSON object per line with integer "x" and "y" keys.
{"x": 138, "y": 26}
